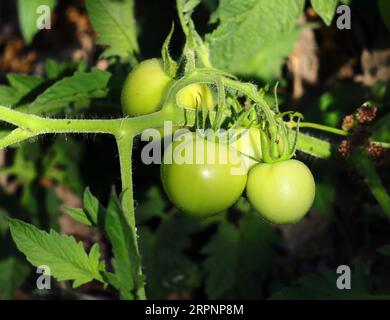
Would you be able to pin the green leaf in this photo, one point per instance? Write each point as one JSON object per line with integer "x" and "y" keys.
{"x": 75, "y": 88}
{"x": 92, "y": 206}
{"x": 249, "y": 26}
{"x": 20, "y": 86}
{"x": 325, "y": 9}
{"x": 65, "y": 257}
{"x": 384, "y": 9}
{"x": 126, "y": 261}
{"x": 385, "y": 250}
{"x": 266, "y": 64}
{"x": 28, "y": 16}
{"x": 170, "y": 65}
{"x": 9, "y": 96}
{"x": 24, "y": 83}
{"x": 61, "y": 163}
{"x": 152, "y": 206}
{"x": 167, "y": 267}
{"x": 239, "y": 259}
{"x": 12, "y": 275}
{"x": 55, "y": 69}
{"x": 78, "y": 214}
{"x": 322, "y": 285}
{"x": 115, "y": 23}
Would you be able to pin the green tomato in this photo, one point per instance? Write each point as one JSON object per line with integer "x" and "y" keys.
{"x": 144, "y": 88}
{"x": 282, "y": 192}
{"x": 146, "y": 85}
{"x": 193, "y": 95}
{"x": 196, "y": 184}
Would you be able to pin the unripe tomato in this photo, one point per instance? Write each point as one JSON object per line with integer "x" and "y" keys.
{"x": 146, "y": 85}
{"x": 193, "y": 95}
{"x": 282, "y": 192}
{"x": 199, "y": 186}
{"x": 144, "y": 88}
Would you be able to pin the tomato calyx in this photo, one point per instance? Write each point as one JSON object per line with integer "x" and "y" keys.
{"x": 282, "y": 148}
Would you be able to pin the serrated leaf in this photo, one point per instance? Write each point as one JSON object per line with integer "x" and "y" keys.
{"x": 71, "y": 89}
{"x": 12, "y": 275}
{"x": 91, "y": 205}
{"x": 167, "y": 267}
{"x": 65, "y": 257}
{"x": 8, "y": 96}
{"x": 116, "y": 26}
{"x": 75, "y": 88}
{"x": 126, "y": 261}
{"x": 55, "y": 69}
{"x": 20, "y": 86}
{"x": 248, "y": 26}
{"x": 267, "y": 63}
{"x": 239, "y": 259}
{"x": 78, "y": 214}
{"x": 322, "y": 285}
{"x": 325, "y": 9}
{"x": 28, "y": 16}
{"x": 24, "y": 83}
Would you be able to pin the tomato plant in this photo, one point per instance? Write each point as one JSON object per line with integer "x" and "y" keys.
{"x": 243, "y": 131}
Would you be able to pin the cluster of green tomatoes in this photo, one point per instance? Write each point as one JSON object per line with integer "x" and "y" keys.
{"x": 279, "y": 191}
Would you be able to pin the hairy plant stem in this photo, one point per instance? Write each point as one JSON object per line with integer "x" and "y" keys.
{"x": 125, "y": 148}
{"x": 319, "y": 127}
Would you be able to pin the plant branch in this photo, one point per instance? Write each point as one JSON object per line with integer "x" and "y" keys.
{"x": 15, "y": 136}
{"x": 125, "y": 148}
{"x": 318, "y": 127}
{"x": 31, "y": 125}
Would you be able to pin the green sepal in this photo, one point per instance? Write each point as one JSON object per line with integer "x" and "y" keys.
{"x": 169, "y": 65}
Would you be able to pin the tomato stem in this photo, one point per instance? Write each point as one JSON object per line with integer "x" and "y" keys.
{"x": 318, "y": 127}
{"x": 125, "y": 148}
